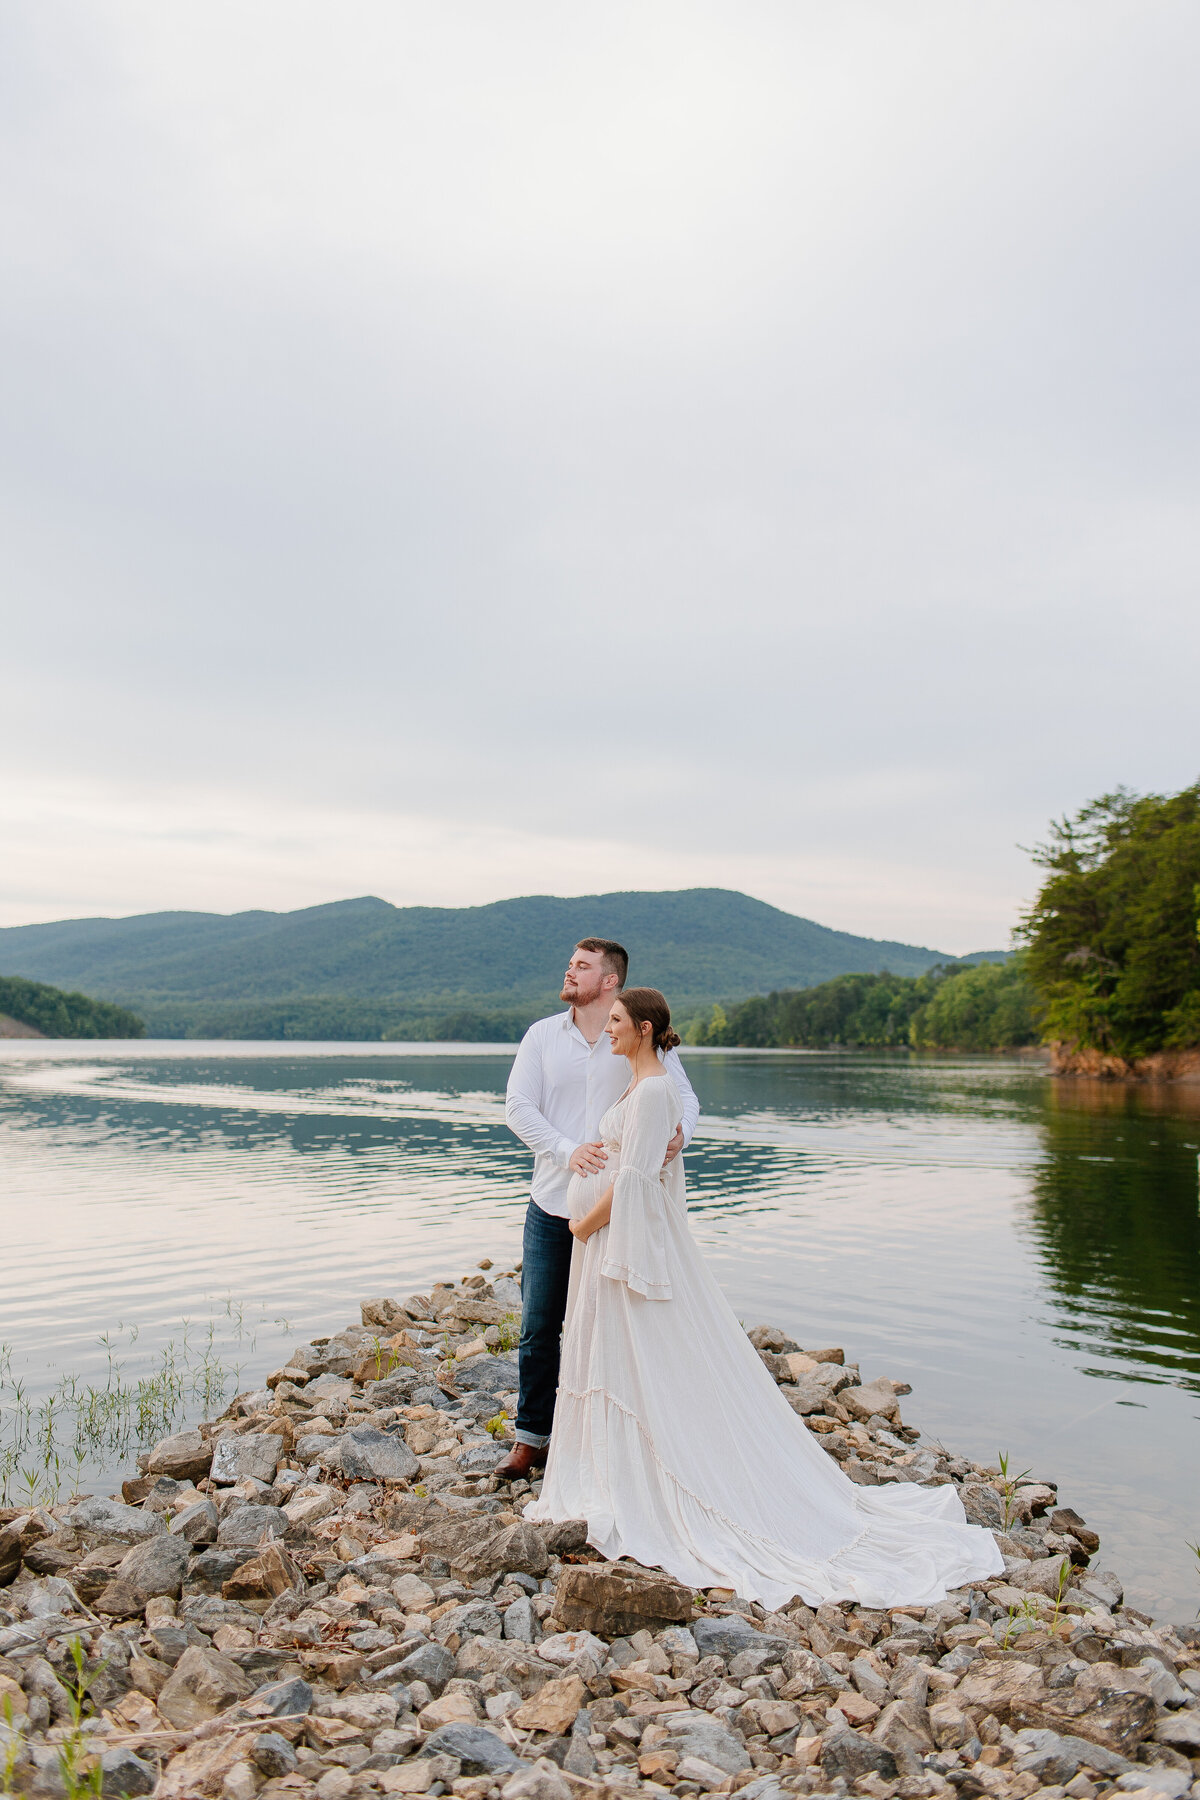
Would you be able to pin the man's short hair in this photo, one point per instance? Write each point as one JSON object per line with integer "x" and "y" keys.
{"x": 616, "y": 957}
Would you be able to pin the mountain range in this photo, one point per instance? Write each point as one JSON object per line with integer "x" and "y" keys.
{"x": 366, "y": 969}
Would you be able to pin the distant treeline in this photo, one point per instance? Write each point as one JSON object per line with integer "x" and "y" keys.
{"x": 1114, "y": 935}
{"x": 59, "y": 1015}
{"x": 987, "y": 1006}
{"x": 321, "y": 1018}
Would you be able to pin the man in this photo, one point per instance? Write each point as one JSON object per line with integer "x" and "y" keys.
{"x": 563, "y": 1081}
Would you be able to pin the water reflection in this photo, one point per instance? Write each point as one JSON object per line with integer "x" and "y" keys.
{"x": 1115, "y": 1218}
{"x": 997, "y": 1238}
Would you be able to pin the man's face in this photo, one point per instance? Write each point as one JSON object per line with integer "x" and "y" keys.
{"x": 586, "y": 978}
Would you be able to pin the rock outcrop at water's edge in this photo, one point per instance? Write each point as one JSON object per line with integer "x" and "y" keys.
{"x": 1163, "y": 1065}
{"x": 327, "y": 1592}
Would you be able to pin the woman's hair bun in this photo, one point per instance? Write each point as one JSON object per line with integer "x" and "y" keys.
{"x": 646, "y": 1006}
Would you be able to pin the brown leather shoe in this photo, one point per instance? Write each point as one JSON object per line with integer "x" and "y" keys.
{"x": 520, "y": 1461}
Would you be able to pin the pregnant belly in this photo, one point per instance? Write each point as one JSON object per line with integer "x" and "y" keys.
{"x": 586, "y": 1190}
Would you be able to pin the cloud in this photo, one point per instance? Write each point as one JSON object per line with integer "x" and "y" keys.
{"x": 721, "y": 445}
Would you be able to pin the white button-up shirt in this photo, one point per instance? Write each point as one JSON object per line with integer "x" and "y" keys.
{"x": 559, "y": 1090}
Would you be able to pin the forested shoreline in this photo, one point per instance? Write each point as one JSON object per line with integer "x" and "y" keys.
{"x": 53, "y": 1013}
{"x": 1107, "y": 974}
{"x": 988, "y": 1006}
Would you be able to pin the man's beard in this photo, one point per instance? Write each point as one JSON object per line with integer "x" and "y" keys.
{"x": 577, "y": 995}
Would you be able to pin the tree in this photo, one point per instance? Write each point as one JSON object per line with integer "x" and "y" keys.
{"x": 1113, "y": 940}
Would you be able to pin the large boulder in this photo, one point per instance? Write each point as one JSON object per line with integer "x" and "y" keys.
{"x": 249, "y": 1526}
{"x": 184, "y": 1457}
{"x": 849, "y": 1754}
{"x": 110, "y": 1522}
{"x": 734, "y": 1635}
{"x": 1054, "y": 1757}
{"x": 370, "y": 1455}
{"x": 480, "y": 1751}
{"x": 196, "y": 1524}
{"x": 872, "y": 1399}
{"x": 475, "y": 1618}
{"x": 514, "y": 1548}
{"x": 150, "y": 1569}
{"x": 254, "y": 1453}
{"x": 487, "y": 1375}
{"x": 699, "y": 1734}
{"x": 204, "y": 1683}
{"x": 10, "y": 1551}
{"x": 613, "y": 1599}
{"x": 267, "y": 1575}
{"x": 1115, "y": 1721}
{"x": 553, "y": 1707}
{"x": 431, "y": 1663}
{"x": 998, "y": 1687}
{"x": 982, "y": 1505}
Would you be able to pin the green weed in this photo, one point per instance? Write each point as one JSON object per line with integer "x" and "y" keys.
{"x": 1008, "y": 1488}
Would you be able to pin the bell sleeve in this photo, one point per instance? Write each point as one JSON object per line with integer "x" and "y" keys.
{"x": 636, "y": 1249}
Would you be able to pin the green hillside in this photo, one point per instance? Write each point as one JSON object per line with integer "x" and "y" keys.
{"x": 57, "y": 1015}
{"x": 366, "y": 969}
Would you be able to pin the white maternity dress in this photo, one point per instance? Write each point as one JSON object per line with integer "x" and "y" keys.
{"x": 672, "y": 1440}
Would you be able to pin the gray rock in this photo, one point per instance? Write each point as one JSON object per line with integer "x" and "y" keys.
{"x": 849, "y": 1754}
{"x": 1181, "y": 1730}
{"x": 248, "y": 1526}
{"x": 213, "y": 1567}
{"x": 157, "y": 1567}
{"x": 563, "y": 1536}
{"x": 431, "y": 1663}
{"x": 982, "y": 1505}
{"x": 256, "y": 1453}
{"x": 318, "y": 1446}
{"x": 1060, "y": 1755}
{"x": 481, "y": 1459}
{"x": 285, "y": 1698}
{"x": 110, "y": 1522}
{"x": 370, "y": 1455}
{"x": 475, "y": 1618}
{"x": 733, "y": 1635}
{"x": 1170, "y": 1783}
{"x": 184, "y": 1457}
{"x": 487, "y": 1374}
{"x": 122, "y": 1773}
{"x": 699, "y": 1734}
{"x": 765, "y": 1788}
{"x": 1102, "y": 1585}
{"x": 204, "y": 1684}
{"x": 273, "y": 1755}
{"x": 806, "y": 1396}
{"x": 196, "y": 1524}
{"x": 328, "y": 1390}
{"x": 395, "y": 1389}
{"x": 580, "y": 1758}
{"x": 480, "y": 1751}
{"x": 521, "y": 1622}
{"x": 506, "y": 1290}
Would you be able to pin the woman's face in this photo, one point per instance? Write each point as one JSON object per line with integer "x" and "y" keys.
{"x": 623, "y": 1034}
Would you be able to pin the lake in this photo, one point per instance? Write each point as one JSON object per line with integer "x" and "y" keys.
{"x": 1025, "y": 1252}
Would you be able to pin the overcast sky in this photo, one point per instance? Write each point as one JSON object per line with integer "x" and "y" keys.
{"x": 461, "y": 450}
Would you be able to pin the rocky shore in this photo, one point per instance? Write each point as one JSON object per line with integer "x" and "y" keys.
{"x": 327, "y": 1592}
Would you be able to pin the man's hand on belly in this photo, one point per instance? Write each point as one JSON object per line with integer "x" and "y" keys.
{"x": 674, "y": 1147}
{"x": 589, "y": 1159}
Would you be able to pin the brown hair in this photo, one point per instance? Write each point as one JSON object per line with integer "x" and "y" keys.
{"x": 646, "y": 1006}
{"x": 616, "y": 957}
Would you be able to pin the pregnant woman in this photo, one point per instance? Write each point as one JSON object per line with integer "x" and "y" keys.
{"x": 671, "y": 1438}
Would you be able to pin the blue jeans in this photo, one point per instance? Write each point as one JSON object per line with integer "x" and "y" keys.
{"x": 545, "y": 1273}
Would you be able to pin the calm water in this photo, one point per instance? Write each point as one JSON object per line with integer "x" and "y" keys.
{"x": 1024, "y": 1252}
